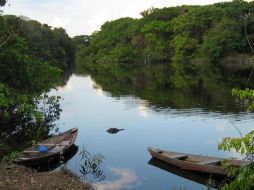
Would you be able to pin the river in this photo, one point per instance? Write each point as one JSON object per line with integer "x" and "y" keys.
{"x": 122, "y": 158}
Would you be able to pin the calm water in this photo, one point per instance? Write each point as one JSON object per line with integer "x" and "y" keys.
{"x": 125, "y": 164}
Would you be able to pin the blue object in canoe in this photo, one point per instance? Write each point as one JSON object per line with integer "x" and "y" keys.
{"x": 43, "y": 149}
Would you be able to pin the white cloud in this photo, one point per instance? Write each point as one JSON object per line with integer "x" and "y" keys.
{"x": 127, "y": 178}
{"x": 83, "y": 16}
{"x": 59, "y": 22}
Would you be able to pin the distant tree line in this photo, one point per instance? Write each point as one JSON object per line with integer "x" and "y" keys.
{"x": 2, "y": 2}
{"x": 184, "y": 36}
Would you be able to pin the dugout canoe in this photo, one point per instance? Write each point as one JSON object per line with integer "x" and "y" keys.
{"x": 56, "y": 145}
{"x": 197, "y": 163}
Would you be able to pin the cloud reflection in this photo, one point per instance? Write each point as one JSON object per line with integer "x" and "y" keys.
{"x": 143, "y": 111}
{"x": 66, "y": 88}
{"x": 127, "y": 178}
{"x": 97, "y": 88}
{"x": 210, "y": 142}
{"x": 220, "y": 128}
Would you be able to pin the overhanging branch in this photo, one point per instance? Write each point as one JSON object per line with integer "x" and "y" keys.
{"x": 2, "y": 44}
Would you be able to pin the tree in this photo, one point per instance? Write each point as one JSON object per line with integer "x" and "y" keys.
{"x": 147, "y": 12}
{"x": 32, "y": 57}
{"x": 241, "y": 178}
{"x": 2, "y": 3}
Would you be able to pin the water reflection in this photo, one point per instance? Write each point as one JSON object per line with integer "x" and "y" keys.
{"x": 127, "y": 179}
{"x": 175, "y": 102}
{"x": 204, "y": 179}
{"x": 159, "y": 90}
{"x": 145, "y": 107}
{"x": 144, "y": 111}
{"x": 90, "y": 165}
{"x": 183, "y": 128}
{"x": 58, "y": 161}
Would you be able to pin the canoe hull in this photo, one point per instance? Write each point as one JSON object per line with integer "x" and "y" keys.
{"x": 193, "y": 162}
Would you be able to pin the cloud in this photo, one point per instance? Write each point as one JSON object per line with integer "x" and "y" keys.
{"x": 59, "y": 22}
{"x": 127, "y": 178}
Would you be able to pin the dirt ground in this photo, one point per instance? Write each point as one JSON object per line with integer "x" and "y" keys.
{"x": 15, "y": 177}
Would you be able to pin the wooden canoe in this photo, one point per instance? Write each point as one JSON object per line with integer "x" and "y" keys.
{"x": 204, "y": 164}
{"x": 56, "y": 145}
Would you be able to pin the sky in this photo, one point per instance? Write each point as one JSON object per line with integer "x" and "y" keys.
{"x": 86, "y": 16}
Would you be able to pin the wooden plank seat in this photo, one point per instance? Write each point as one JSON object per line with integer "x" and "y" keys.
{"x": 31, "y": 151}
{"x": 210, "y": 162}
{"x": 175, "y": 156}
{"x": 24, "y": 158}
{"x": 56, "y": 147}
{"x": 179, "y": 156}
{"x": 63, "y": 143}
{"x": 49, "y": 144}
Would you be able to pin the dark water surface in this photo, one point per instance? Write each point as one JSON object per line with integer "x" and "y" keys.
{"x": 123, "y": 158}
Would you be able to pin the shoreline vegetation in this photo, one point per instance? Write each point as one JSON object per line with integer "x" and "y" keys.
{"x": 33, "y": 58}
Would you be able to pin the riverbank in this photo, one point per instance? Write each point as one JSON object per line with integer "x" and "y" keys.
{"x": 16, "y": 177}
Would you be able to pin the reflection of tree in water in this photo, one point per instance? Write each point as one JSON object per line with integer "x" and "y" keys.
{"x": 90, "y": 165}
{"x": 66, "y": 74}
{"x": 210, "y": 90}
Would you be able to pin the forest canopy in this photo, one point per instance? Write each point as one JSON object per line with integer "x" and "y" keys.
{"x": 193, "y": 43}
{"x": 178, "y": 35}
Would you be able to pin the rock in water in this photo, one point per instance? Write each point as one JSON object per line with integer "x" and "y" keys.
{"x": 114, "y": 130}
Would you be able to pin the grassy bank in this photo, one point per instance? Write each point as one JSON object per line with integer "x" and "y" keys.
{"x": 15, "y": 177}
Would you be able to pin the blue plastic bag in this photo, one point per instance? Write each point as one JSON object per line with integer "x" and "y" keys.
{"x": 43, "y": 149}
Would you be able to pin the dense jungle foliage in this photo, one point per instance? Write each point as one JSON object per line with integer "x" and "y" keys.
{"x": 192, "y": 41}
{"x": 32, "y": 58}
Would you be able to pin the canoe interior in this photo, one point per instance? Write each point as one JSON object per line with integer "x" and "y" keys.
{"x": 55, "y": 144}
{"x": 188, "y": 157}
